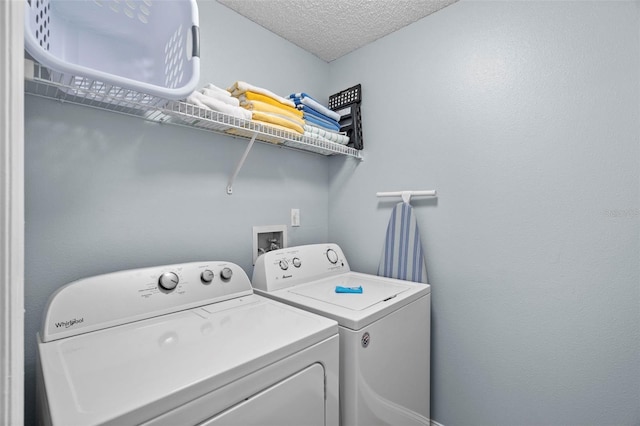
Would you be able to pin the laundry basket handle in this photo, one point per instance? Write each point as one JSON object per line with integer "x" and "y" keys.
{"x": 195, "y": 39}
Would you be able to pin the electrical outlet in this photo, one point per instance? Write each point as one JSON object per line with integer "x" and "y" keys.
{"x": 268, "y": 238}
{"x": 295, "y": 217}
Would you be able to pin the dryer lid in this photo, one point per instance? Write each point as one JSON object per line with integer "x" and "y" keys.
{"x": 130, "y": 373}
{"x": 373, "y": 291}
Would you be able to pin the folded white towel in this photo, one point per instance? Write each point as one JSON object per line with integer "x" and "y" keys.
{"x": 317, "y": 137}
{"x": 326, "y": 134}
{"x": 193, "y": 100}
{"x": 199, "y": 99}
{"x": 239, "y": 87}
{"x": 220, "y": 90}
{"x": 228, "y": 99}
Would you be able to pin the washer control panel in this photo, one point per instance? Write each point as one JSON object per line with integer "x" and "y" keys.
{"x": 290, "y": 266}
{"x": 120, "y": 297}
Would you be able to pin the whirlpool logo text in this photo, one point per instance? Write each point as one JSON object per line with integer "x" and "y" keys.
{"x": 70, "y": 323}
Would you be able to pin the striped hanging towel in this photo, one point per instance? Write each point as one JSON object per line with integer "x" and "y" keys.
{"x": 402, "y": 256}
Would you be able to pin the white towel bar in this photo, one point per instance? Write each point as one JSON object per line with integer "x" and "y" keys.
{"x": 406, "y": 195}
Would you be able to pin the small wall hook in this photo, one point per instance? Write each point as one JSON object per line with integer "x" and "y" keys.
{"x": 406, "y": 196}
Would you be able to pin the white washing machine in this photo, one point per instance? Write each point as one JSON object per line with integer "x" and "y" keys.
{"x": 181, "y": 345}
{"x": 384, "y": 330}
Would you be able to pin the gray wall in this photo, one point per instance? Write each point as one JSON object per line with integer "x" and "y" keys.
{"x": 524, "y": 117}
{"x": 106, "y": 192}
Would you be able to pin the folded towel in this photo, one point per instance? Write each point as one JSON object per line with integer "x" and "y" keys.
{"x": 220, "y": 90}
{"x": 193, "y": 100}
{"x": 274, "y": 119}
{"x": 272, "y": 109}
{"x": 315, "y": 121}
{"x": 252, "y": 96}
{"x": 203, "y": 101}
{"x": 317, "y": 132}
{"x": 230, "y": 100}
{"x": 240, "y": 87}
{"x": 303, "y": 98}
{"x": 308, "y": 110}
{"x": 317, "y": 138}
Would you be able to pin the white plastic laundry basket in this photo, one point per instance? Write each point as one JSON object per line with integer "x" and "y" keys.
{"x": 142, "y": 51}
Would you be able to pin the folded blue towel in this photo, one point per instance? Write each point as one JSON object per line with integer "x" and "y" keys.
{"x": 340, "y": 289}
{"x": 319, "y": 115}
{"x": 315, "y": 121}
{"x": 303, "y": 98}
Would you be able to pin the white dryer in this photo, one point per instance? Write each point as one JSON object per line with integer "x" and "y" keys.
{"x": 183, "y": 344}
{"x": 384, "y": 330}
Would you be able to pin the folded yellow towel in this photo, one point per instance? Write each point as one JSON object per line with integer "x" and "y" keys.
{"x": 272, "y": 109}
{"x": 240, "y": 87}
{"x": 252, "y": 96}
{"x": 280, "y": 121}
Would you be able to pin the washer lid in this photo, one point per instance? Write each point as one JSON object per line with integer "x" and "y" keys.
{"x": 373, "y": 291}
{"x": 134, "y": 372}
{"x": 380, "y": 296}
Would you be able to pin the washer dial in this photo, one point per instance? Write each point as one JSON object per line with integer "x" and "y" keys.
{"x": 226, "y": 274}
{"x": 207, "y": 276}
{"x": 168, "y": 280}
{"x": 332, "y": 256}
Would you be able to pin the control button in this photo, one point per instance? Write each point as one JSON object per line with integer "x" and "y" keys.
{"x": 284, "y": 265}
{"x": 296, "y": 262}
{"x": 207, "y": 276}
{"x": 332, "y": 256}
{"x": 168, "y": 280}
{"x": 226, "y": 274}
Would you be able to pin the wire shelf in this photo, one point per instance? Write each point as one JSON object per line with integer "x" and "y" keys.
{"x": 211, "y": 120}
{"x": 42, "y": 82}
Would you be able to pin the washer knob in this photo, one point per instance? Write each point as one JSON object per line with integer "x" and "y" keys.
{"x": 168, "y": 280}
{"x": 284, "y": 265}
{"x": 332, "y": 256}
{"x": 207, "y": 276}
{"x": 226, "y": 274}
{"x": 297, "y": 262}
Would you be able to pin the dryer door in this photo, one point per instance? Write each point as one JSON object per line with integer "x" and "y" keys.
{"x": 297, "y": 400}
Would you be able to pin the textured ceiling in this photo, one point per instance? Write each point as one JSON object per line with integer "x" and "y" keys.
{"x": 332, "y": 28}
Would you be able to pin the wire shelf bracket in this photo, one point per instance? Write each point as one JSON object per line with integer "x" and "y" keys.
{"x": 239, "y": 165}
